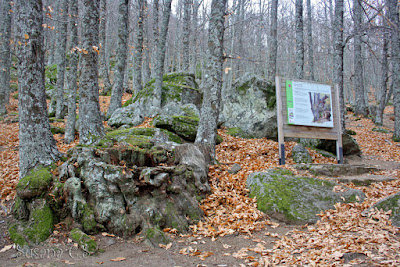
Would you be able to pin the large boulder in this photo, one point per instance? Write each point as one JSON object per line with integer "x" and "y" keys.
{"x": 184, "y": 126}
{"x": 178, "y": 89}
{"x": 350, "y": 146}
{"x": 389, "y": 203}
{"x": 250, "y": 106}
{"x": 296, "y": 200}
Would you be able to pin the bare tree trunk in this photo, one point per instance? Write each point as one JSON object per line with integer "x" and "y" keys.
{"x": 156, "y": 36}
{"x": 146, "y": 72}
{"x": 194, "y": 34}
{"x": 36, "y": 143}
{"x": 62, "y": 15}
{"x": 299, "y": 40}
{"x": 161, "y": 54}
{"x": 137, "y": 80}
{"x": 212, "y": 84}
{"x": 90, "y": 120}
{"x": 186, "y": 33}
{"x": 72, "y": 73}
{"x": 5, "y": 55}
{"x": 103, "y": 66}
{"x": 122, "y": 47}
{"x": 338, "y": 57}
{"x": 393, "y": 7}
{"x": 360, "y": 107}
{"x": 385, "y": 92}
{"x": 310, "y": 41}
{"x": 273, "y": 41}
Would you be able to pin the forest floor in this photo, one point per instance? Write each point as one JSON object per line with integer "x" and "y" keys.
{"x": 233, "y": 232}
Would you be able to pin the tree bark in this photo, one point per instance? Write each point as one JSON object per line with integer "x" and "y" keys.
{"x": 393, "y": 7}
{"x": 5, "y": 56}
{"x": 156, "y": 36}
{"x": 137, "y": 81}
{"x": 146, "y": 71}
{"x": 72, "y": 73}
{"x": 310, "y": 41}
{"x": 36, "y": 143}
{"x": 299, "y": 40}
{"x": 385, "y": 92}
{"x": 186, "y": 34}
{"x": 103, "y": 66}
{"x": 90, "y": 120}
{"x": 61, "y": 46}
{"x": 273, "y": 41}
{"x": 360, "y": 106}
{"x": 212, "y": 84}
{"x": 122, "y": 47}
{"x": 338, "y": 57}
{"x": 161, "y": 54}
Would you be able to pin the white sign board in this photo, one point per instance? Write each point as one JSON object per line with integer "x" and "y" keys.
{"x": 309, "y": 104}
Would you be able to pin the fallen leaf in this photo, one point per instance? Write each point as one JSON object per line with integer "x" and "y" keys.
{"x": 118, "y": 259}
{"x": 6, "y": 248}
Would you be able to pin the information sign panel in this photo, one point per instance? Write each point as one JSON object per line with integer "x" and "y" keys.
{"x": 309, "y": 104}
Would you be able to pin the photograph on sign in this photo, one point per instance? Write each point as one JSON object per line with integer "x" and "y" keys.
{"x": 309, "y": 104}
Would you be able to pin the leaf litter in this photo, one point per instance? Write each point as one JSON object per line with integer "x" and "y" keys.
{"x": 342, "y": 231}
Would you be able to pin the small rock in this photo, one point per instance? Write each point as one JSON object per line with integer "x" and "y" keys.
{"x": 300, "y": 154}
{"x": 235, "y": 169}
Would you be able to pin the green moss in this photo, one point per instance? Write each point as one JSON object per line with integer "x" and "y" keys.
{"x": 16, "y": 237}
{"x": 54, "y": 119}
{"x": 35, "y": 183}
{"x": 396, "y": 139}
{"x": 156, "y": 236}
{"x": 389, "y": 204}
{"x": 350, "y": 132}
{"x": 88, "y": 220}
{"x": 41, "y": 224}
{"x": 15, "y": 96}
{"x": 85, "y": 242}
{"x": 57, "y": 130}
{"x": 50, "y": 76}
{"x": 218, "y": 139}
{"x": 380, "y": 130}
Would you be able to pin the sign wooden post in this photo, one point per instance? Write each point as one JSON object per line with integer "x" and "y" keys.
{"x": 307, "y": 109}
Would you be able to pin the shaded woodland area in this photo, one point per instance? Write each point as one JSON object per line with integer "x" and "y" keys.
{"x": 78, "y": 63}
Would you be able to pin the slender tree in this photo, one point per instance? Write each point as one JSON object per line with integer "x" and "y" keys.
{"x": 273, "y": 41}
{"x": 72, "y": 72}
{"x": 299, "y": 40}
{"x": 187, "y": 4}
{"x": 146, "y": 71}
{"x": 122, "y": 47}
{"x": 393, "y": 7}
{"x": 36, "y": 143}
{"x": 161, "y": 54}
{"x": 156, "y": 36}
{"x": 103, "y": 66}
{"x": 62, "y": 15}
{"x": 212, "y": 84}
{"x": 338, "y": 56}
{"x": 90, "y": 120}
{"x": 360, "y": 106}
{"x": 384, "y": 90}
{"x": 137, "y": 81}
{"x": 310, "y": 41}
{"x": 5, "y": 56}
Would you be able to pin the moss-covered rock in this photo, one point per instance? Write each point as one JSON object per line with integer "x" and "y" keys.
{"x": 35, "y": 183}
{"x": 390, "y": 203}
{"x": 85, "y": 242}
{"x": 300, "y": 154}
{"x": 155, "y": 236}
{"x": 57, "y": 130}
{"x": 294, "y": 199}
{"x": 183, "y": 126}
{"x": 37, "y": 228}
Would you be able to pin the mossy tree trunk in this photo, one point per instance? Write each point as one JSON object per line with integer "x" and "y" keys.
{"x": 36, "y": 143}
{"x": 212, "y": 84}
{"x": 5, "y": 58}
{"x": 90, "y": 121}
{"x": 72, "y": 73}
